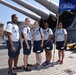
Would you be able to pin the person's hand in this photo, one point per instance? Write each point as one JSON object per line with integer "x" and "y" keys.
{"x": 64, "y": 45}
{"x": 13, "y": 49}
{"x": 28, "y": 47}
{"x": 41, "y": 44}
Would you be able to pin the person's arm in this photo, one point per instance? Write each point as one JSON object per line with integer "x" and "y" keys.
{"x": 50, "y": 36}
{"x": 25, "y": 37}
{"x": 10, "y": 41}
{"x": 42, "y": 37}
{"x": 9, "y": 28}
{"x": 65, "y": 37}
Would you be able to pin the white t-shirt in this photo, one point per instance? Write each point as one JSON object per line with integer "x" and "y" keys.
{"x": 26, "y": 30}
{"x": 59, "y": 34}
{"x": 37, "y": 32}
{"x": 14, "y": 30}
{"x": 47, "y": 32}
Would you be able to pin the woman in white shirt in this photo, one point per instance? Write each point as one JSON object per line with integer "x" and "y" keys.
{"x": 38, "y": 38}
{"x": 48, "y": 46}
{"x": 61, "y": 39}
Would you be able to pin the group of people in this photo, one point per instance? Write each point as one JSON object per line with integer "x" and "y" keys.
{"x": 41, "y": 40}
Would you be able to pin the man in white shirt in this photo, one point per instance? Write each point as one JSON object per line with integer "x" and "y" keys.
{"x": 61, "y": 40}
{"x": 26, "y": 32}
{"x": 13, "y": 44}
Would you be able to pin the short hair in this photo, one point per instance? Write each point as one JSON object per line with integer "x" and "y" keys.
{"x": 36, "y": 22}
{"x": 60, "y": 23}
{"x": 13, "y": 16}
{"x": 26, "y": 19}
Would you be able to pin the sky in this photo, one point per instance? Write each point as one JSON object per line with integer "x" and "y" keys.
{"x": 6, "y": 12}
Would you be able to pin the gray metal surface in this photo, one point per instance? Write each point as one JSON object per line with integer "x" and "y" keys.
{"x": 33, "y": 8}
{"x": 52, "y": 6}
{"x": 31, "y": 15}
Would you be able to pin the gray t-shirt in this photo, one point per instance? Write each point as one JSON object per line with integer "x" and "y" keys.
{"x": 14, "y": 30}
{"x": 37, "y": 33}
{"x": 47, "y": 32}
{"x": 26, "y": 30}
{"x": 59, "y": 34}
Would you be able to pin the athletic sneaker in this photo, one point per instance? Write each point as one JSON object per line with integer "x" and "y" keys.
{"x": 29, "y": 65}
{"x": 38, "y": 66}
{"x": 61, "y": 62}
{"x": 43, "y": 64}
{"x": 11, "y": 73}
{"x": 58, "y": 61}
{"x": 48, "y": 64}
{"x": 17, "y": 68}
{"x": 27, "y": 69}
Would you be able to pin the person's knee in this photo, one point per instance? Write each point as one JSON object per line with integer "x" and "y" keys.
{"x": 25, "y": 56}
{"x": 62, "y": 51}
{"x": 10, "y": 59}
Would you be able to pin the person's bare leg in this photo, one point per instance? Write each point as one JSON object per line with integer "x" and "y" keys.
{"x": 36, "y": 58}
{"x": 47, "y": 58}
{"x": 59, "y": 54}
{"x": 16, "y": 61}
{"x": 62, "y": 55}
{"x": 25, "y": 60}
{"x": 40, "y": 58}
{"x": 49, "y": 55}
{"x": 10, "y": 62}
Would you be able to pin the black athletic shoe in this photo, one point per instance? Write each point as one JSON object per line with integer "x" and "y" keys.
{"x": 17, "y": 68}
{"x": 29, "y": 65}
{"x": 27, "y": 69}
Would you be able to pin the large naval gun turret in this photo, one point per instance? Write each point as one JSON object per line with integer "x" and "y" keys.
{"x": 33, "y": 8}
{"x": 45, "y": 16}
{"x": 50, "y": 5}
{"x": 31, "y": 15}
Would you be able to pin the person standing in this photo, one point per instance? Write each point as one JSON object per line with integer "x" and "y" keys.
{"x": 60, "y": 41}
{"x": 38, "y": 39}
{"x": 13, "y": 44}
{"x": 48, "y": 46}
{"x": 26, "y": 43}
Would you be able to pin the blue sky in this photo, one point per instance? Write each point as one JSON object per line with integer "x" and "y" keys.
{"x": 6, "y": 12}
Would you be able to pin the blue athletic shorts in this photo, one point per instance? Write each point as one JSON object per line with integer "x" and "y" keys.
{"x": 48, "y": 46}
{"x": 25, "y": 50}
{"x": 17, "y": 47}
{"x": 59, "y": 45}
{"x": 37, "y": 47}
